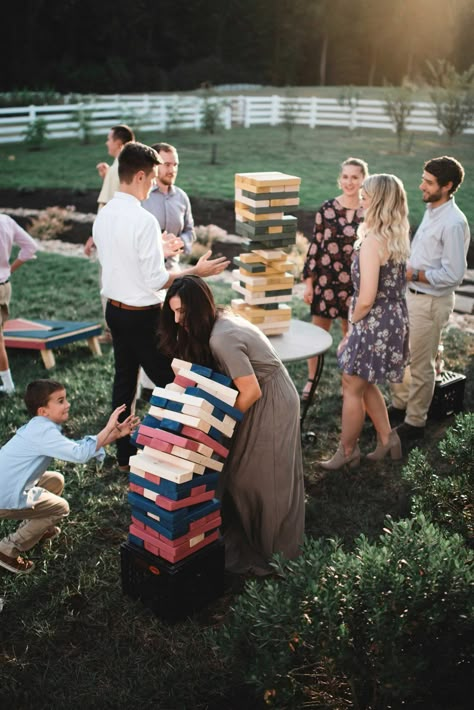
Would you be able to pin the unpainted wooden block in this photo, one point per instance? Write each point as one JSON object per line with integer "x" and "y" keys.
{"x": 210, "y": 419}
{"x": 172, "y": 460}
{"x": 180, "y": 418}
{"x": 162, "y": 470}
{"x": 205, "y": 461}
{"x": 202, "y": 437}
{"x": 181, "y": 398}
{"x": 226, "y": 393}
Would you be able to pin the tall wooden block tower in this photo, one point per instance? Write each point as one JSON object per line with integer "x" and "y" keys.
{"x": 264, "y": 277}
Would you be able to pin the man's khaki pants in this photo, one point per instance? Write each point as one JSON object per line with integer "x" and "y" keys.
{"x": 48, "y": 510}
{"x": 428, "y": 316}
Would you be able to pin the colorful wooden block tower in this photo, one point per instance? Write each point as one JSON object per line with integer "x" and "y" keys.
{"x": 174, "y": 532}
{"x": 264, "y": 277}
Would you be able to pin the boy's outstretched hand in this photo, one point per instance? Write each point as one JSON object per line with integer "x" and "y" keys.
{"x": 127, "y": 426}
{"x": 114, "y": 429}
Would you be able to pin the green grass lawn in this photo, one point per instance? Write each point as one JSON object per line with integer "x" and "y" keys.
{"x": 313, "y": 154}
{"x": 67, "y": 635}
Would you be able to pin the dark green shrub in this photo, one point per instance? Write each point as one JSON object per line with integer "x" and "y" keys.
{"x": 446, "y": 494}
{"x": 35, "y": 134}
{"x": 392, "y": 620}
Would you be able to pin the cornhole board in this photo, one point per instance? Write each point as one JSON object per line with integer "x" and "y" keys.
{"x": 46, "y": 335}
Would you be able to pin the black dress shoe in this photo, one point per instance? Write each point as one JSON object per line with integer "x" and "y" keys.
{"x": 408, "y": 432}
{"x": 396, "y": 415}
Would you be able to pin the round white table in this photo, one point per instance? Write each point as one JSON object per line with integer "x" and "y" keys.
{"x": 302, "y": 341}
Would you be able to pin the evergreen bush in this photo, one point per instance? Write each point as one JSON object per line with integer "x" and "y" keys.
{"x": 392, "y": 620}
{"x": 446, "y": 495}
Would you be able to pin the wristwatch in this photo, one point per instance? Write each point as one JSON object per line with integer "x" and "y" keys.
{"x": 415, "y": 275}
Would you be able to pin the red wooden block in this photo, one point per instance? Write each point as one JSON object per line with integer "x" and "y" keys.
{"x": 155, "y": 444}
{"x": 209, "y": 522}
{"x": 198, "y": 495}
{"x": 205, "y": 439}
{"x": 184, "y": 381}
{"x": 174, "y": 439}
{"x": 170, "y": 553}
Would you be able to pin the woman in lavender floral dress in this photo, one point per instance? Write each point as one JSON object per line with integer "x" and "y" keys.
{"x": 376, "y": 347}
{"x": 327, "y": 270}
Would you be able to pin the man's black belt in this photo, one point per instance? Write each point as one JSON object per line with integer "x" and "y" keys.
{"x": 126, "y": 307}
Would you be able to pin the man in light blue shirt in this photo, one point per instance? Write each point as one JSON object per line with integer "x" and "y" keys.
{"x": 435, "y": 269}
{"x": 28, "y": 491}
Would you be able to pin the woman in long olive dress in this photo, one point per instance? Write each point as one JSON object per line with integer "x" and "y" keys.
{"x": 262, "y": 482}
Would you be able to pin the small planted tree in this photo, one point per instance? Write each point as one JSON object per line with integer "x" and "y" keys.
{"x": 452, "y": 96}
{"x": 84, "y": 119}
{"x": 350, "y": 97}
{"x": 398, "y": 105}
{"x": 212, "y": 119}
{"x": 36, "y": 133}
{"x": 289, "y": 113}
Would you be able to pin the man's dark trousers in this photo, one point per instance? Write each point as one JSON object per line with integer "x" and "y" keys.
{"x": 135, "y": 341}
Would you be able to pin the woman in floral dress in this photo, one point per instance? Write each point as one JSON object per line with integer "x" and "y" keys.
{"x": 327, "y": 270}
{"x": 376, "y": 347}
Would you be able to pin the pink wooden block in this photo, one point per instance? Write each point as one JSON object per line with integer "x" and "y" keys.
{"x": 156, "y": 444}
{"x": 205, "y": 439}
{"x": 174, "y": 439}
{"x": 184, "y": 381}
{"x": 170, "y": 553}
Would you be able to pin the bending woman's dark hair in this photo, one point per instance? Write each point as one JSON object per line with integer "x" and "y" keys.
{"x": 189, "y": 339}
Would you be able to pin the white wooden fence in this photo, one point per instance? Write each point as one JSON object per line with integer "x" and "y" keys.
{"x": 165, "y": 112}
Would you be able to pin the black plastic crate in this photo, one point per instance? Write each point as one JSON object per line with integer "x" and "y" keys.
{"x": 173, "y": 591}
{"x": 448, "y": 396}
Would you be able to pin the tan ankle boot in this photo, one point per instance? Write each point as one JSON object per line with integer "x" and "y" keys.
{"x": 394, "y": 445}
{"x": 340, "y": 459}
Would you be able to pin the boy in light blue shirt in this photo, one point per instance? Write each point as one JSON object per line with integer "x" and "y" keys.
{"x": 28, "y": 491}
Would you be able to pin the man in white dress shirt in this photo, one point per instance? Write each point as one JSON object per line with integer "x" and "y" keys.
{"x": 435, "y": 269}
{"x": 131, "y": 253}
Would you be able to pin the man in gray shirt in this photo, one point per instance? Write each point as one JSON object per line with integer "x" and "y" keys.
{"x": 435, "y": 269}
{"x": 169, "y": 204}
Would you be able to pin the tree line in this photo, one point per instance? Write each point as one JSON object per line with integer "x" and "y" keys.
{"x": 161, "y": 45}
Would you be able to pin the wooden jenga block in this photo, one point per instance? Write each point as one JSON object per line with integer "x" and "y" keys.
{"x": 269, "y": 243}
{"x": 181, "y": 398}
{"x": 226, "y": 393}
{"x": 226, "y": 429}
{"x": 181, "y": 418}
{"x": 175, "y": 440}
{"x": 266, "y": 179}
{"x": 268, "y": 218}
{"x": 202, "y": 437}
{"x": 205, "y": 461}
{"x": 273, "y": 255}
{"x": 278, "y": 194}
{"x": 216, "y": 402}
{"x": 255, "y": 268}
{"x": 272, "y": 289}
{"x": 171, "y": 473}
{"x": 252, "y": 299}
{"x": 278, "y": 326}
{"x": 249, "y": 258}
{"x": 280, "y": 279}
{"x": 162, "y": 456}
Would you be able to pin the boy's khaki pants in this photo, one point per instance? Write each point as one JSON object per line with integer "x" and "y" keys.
{"x": 48, "y": 510}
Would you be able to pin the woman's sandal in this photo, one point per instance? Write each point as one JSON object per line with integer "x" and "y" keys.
{"x": 305, "y": 392}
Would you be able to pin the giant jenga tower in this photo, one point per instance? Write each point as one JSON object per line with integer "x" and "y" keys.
{"x": 264, "y": 278}
{"x": 174, "y": 560}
